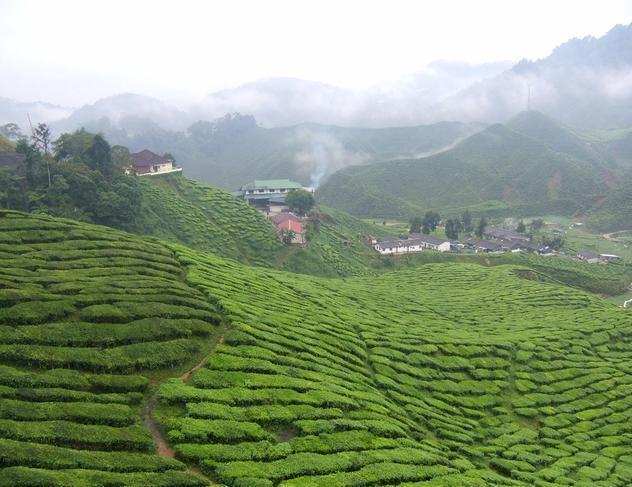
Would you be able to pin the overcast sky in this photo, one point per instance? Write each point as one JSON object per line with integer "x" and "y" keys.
{"x": 73, "y": 52}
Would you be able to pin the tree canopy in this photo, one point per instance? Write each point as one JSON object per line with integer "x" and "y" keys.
{"x": 430, "y": 221}
{"x": 84, "y": 178}
{"x": 300, "y": 201}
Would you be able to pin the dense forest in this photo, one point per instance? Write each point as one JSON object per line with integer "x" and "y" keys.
{"x": 79, "y": 175}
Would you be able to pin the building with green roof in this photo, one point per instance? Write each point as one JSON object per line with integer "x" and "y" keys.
{"x": 264, "y": 192}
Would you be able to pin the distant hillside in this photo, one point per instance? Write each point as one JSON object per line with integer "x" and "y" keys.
{"x": 529, "y": 166}
{"x": 113, "y": 109}
{"x": 17, "y": 112}
{"x": 233, "y": 150}
{"x": 404, "y": 101}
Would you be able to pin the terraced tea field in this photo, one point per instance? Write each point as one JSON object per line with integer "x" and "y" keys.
{"x": 206, "y": 218}
{"x": 87, "y": 314}
{"x": 448, "y": 374}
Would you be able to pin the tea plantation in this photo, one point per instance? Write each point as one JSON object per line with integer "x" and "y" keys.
{"x": 447, "y": 374}
{"x": 86, "y": 315}
{"x": 206, "y": 218}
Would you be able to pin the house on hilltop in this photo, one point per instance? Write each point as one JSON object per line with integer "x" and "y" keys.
{"x": 147, "y": 163}
{"x": 289, "y": 222}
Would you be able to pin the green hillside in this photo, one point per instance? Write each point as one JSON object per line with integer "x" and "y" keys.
{"x": 337, "y": 247}
{"x": 203, "y": 217}
{"x": 524, "y": 167}
{"x": 614, "y": 211}
{"x": 88, "y": 315}
{"x": 447, "y": 374}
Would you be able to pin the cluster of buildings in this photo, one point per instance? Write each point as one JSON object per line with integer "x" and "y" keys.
{"x": 496, "y": 240}
{"x": 268, "y": 196}
{"x": 593, "y": 258}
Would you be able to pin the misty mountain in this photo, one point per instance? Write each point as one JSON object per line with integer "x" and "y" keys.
{"x": 112, "y": 110}
{"x": 531, "y": 165}
{"x": 13, "y": 111}
{"x": 583, "y": 82}
{"x": 277, "y": 102}
{"x": 288, "y": 101}
{"x": 234, "y": 149}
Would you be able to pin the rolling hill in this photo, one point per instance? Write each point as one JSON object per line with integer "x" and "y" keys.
{"x": 532, "y": 165}
{"x": 443, "y": 375}
{"x": 202, "y": 217}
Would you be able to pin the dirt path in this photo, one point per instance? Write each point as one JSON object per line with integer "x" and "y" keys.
{"x": 164, "y": 450}
{"x": 609, "y": 236}
{"x": 188, "y": 373}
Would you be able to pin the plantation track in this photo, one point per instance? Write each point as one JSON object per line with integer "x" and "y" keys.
{"x": 185, "y": 376}
{"x": 162, "y": 446}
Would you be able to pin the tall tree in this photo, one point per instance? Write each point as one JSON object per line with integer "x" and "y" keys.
{"x": 452, "y": 229}
{"x": 100, "y": 155}
{"x": 42, "y": 140}
{"x": 536, "y": 224}
{"x": 480, "y": 228}
{"x": 11, "y": 131}
{"x": 466, "y": 219}
{"x": 430, "y": 221}
{"x": 415, "y": 225}
{"x": 521, "y": 228}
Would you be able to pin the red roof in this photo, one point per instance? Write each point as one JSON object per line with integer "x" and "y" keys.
{"x": 288, "y": 221}
{"x": 147, "y": 158}
{"x": 282, "y": 217}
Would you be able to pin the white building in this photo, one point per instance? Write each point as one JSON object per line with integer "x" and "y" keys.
{"x": 416, "y": 243}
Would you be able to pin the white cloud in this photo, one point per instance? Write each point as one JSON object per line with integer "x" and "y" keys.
{"x": 72, "y": 51}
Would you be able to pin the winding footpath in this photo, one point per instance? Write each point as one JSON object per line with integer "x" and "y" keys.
{"x": 162, "y": 446}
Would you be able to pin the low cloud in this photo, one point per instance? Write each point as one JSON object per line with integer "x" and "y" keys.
{"x": 322, "y": 154}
